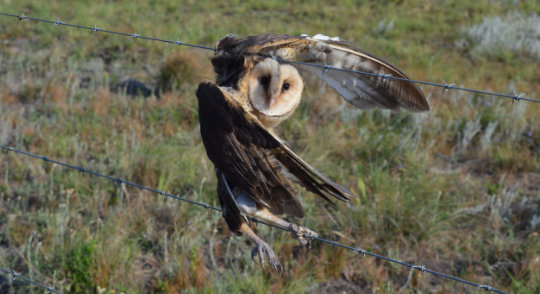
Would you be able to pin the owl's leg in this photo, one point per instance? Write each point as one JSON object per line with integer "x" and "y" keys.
{"x": 261, "y": 249}
{"x": 304, "y": 235}
{"x": 234, "y": 214}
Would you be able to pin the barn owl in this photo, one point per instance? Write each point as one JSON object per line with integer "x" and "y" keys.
{"x": 253, "y": 93}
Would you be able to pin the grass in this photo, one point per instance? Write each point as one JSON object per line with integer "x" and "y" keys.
{"x": 455, "y": 189}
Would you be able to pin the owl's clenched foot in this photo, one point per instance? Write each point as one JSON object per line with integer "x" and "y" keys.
{"x": 304, "y": 235}
{"x": 262, "y": 249}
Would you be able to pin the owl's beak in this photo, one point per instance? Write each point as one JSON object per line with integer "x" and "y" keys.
{"x": 270, "y": 100}
{"x": 272, "y": 93}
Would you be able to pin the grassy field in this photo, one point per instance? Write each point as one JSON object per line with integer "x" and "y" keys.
{"x": 456, "y": 189}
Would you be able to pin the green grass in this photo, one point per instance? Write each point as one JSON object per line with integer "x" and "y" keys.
{"x": 455, "y": 189}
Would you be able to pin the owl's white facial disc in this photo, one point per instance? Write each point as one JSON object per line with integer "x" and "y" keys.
{"x": 274, "y": 89}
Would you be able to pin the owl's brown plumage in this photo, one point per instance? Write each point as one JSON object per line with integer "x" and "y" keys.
{"x": 254, "y": 93}
{"x": 254, "y": 168}
{"x": 251, "y": 158}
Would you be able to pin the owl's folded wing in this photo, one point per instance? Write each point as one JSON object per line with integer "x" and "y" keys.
{"x": 252, "y": 158}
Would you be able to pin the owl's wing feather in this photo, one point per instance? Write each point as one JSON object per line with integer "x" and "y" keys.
{"x": 363, "y": 91}
{"x": 251, "y": 157}
{"x": 231, "y": 211}
{"x": 360, "y": 90}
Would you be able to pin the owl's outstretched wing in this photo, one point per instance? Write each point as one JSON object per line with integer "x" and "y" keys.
{"x": 253, "y": 159}
{"x": 362, "y": 91}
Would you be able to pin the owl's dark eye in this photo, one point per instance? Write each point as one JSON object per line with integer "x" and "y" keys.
{"x": 286, "y": 86}
{"x": 265, "y": 81}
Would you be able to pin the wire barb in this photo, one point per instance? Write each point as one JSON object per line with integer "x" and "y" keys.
{"x": 95, "y": 28}
{"x": 178, "y": 42}
{"x": 446, "y": 87}
{"x": 58, "y": 22}
{"x": 326, "y": 68}
{"x": 421, "y": 268}
{"x": 21, "y": 16}
{"x": 486, "y": 287}
{"x": 361, "y": 251}
{"x": 516, "y": 97}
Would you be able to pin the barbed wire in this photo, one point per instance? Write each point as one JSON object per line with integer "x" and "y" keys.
{"x": 95, "y": 29}
{"x": 516, "y": 97}
{"x": 420, "y": 268}
{"x": 15, "y": 276}
{"x": 324, "y": 68}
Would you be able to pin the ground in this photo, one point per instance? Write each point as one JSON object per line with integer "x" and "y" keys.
{"x": 456, "y": 189}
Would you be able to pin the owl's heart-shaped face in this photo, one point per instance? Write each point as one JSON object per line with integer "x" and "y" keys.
{"x": 274, "y": 89}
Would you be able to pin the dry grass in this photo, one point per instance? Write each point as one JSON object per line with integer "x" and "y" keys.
{"x": 456, "y": 189}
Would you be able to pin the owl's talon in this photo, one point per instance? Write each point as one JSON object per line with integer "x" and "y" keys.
{"x": 303, "y": 235}
{"x": 262, "y": 249}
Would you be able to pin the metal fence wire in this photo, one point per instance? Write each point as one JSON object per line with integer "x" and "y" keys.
{"x": 325, "y": 68}
{"x": 95, "y": 29}
{"x": 16, "y": 276}
{"x": 361, "y": 251}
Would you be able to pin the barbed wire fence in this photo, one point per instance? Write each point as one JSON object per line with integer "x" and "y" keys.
{"x": 361, "y": 251}
{"x": 445, "y": 87}
{"x": 324, "y": 67}
{"x": 16, "y": 276}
